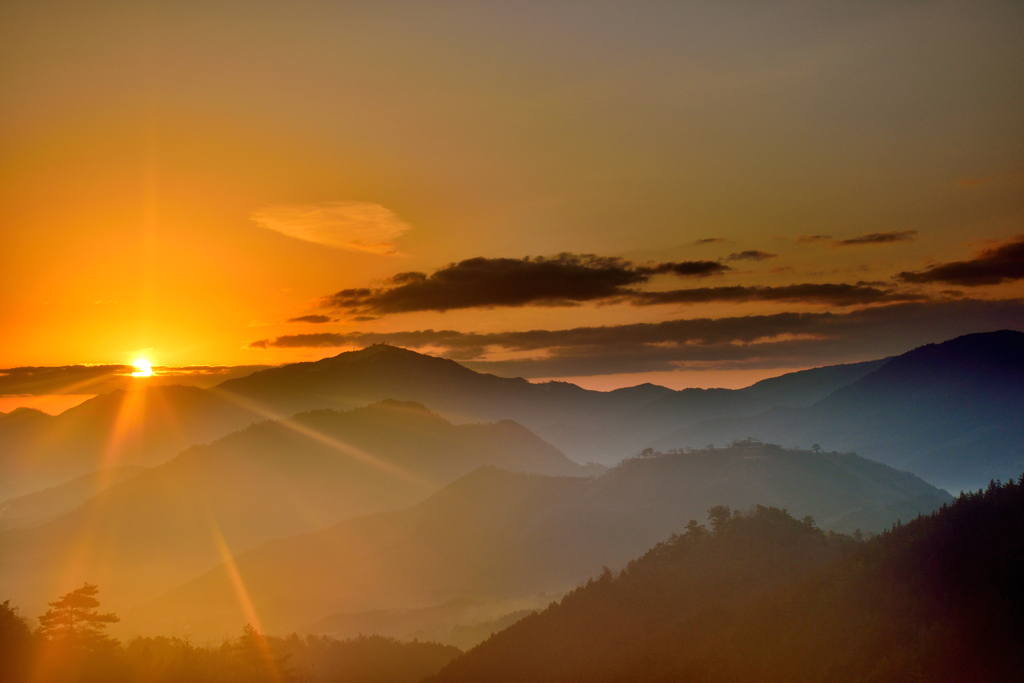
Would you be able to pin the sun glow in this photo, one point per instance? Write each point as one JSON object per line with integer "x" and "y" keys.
{"x": 143, "y": 368}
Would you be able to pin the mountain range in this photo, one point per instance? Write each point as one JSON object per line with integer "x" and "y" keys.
{"x": 384, "y": 480}
{"x": 498, "y": 535}
{"x": 148, "y": 426}
{"x": 276, "y": 478}
{"x": 951, "y": 413}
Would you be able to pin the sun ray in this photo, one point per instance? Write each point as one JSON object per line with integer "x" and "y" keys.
{"x": 243, "y": 597}
{"x": 336, "y": 444}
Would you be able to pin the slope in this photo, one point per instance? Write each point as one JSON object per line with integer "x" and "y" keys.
{"x": 949, "y": 412}
{"x": 495, "y": 534}
{"x": 41, "y": 506}
{"x": 142, "y": 427}
{"x": 764, "y": 597}
{"x": 272, "y": 479}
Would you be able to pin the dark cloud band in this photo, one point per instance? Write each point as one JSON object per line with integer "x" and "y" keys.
{"x": 767, "y": 341}
{"x": 752, "y": 255}
{"x": 878, "y": 238}
{"x": 566, "y": 279}
{"x": 833, "y": 294}
{"x": 990, "y": 267}
{"x": 316, "y": 319}
{"x": 101, "y": 379}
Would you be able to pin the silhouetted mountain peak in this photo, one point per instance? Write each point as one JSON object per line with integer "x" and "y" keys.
{"x": 1000, "y": 353}
{"x": 24, "y": 414}
{"x": 382, "y": 356}
{"x": 989, "y": 363}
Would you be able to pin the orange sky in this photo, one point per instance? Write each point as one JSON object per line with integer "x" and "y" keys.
{"x": 178, "y": 181}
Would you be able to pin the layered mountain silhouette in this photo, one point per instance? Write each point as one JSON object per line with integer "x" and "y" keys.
{"x": 276, "y": 478}
{"x": 947, "y": 411}
{"x": 35, "y": 508}
{"x": 766, "y": 597}
{"x": 495, "y": 534}
{"x": 142, "y": 427}
{"x": 585, "y": 425}
{"x": 149, "y": 426}
{"x": 951, "y": 413}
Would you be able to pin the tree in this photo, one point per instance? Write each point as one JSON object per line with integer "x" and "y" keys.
{"x": 74, "y": 620}
{"x": 15, "y": 643}
{"x": 719, "y": 515}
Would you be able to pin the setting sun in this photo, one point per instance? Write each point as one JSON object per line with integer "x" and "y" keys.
{"x": 143, "y": 368}
{"x": 440, "y": 342}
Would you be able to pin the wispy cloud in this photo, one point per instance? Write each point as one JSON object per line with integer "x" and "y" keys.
{"x": 835, "y": 294}
{"x": 98, "y": 379}
{"x": 316, "y": 319}
{"x": 878, "y": 238}
{"x": 713, "y": 240}
{"x": 751, "y": 255}
{"x": 1016, "y": 173}
{"x": 353, "y": 226}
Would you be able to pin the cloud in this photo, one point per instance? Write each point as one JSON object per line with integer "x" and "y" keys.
{"x": 810, "y": 239}
{"x": 751, "y": 255}
{"x": 563, "y": 280}
{"x": 353, "y": 226}
{"x": 311, "y": 319}
{"x": 989, "y": 267}
{"x": 714, "y": 240}
{"x": 690, "y": 268}
{"x": 834, "y": 294}
{"x": 878, "y": 238}
{"x": 765, "y": 341}
{"x": 100, "y": 379}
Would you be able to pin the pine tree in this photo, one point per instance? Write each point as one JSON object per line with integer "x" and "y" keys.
{"x": 74, "y": 620}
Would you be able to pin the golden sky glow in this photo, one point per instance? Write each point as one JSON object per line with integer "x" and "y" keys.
{"x": 178, "y": 182}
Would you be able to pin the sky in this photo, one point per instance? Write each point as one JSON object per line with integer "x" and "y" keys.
{"x": 696, "y": 194}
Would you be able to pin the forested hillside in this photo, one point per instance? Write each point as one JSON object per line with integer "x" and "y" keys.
{"x": 764, "y": 597}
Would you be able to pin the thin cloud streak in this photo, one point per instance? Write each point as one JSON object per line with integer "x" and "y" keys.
{"x": 751, "y": 255}
{"x": 99, "y": 379}
{"x": 352, "y": 226}
{"x": 878, "y": 238}
{"x": 315, "y": 319}
{"x": 833, "y": 294}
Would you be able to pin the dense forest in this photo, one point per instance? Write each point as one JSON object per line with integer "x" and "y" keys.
{"x": 765, "y": 597}
{"x": 70, "y": 646}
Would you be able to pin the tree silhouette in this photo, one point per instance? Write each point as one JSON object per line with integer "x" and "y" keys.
{"x": 74, "y": 620}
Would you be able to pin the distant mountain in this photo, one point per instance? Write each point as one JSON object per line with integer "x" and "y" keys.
{"x": 586, "y": 425}
{"x": 277, "y": 478}
{"x": 766, "y": 598}
{"x": 462, "y": 623}
{"x": 951, "y": 413}
{"x": 42, "y": 506}
{"x": 141, "y": 427}
{"x": 497, "y": 535}
{"x": 149, "y": 426}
